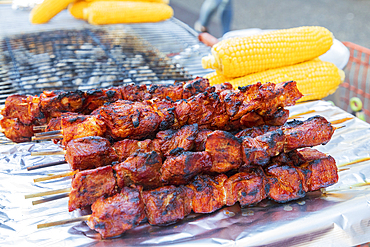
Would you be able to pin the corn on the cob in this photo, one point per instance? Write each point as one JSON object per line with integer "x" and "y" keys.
{"x": 241, "y": 56}
{"x": 44, "y": 12}
{"x": 112, "y": 12}
{"x": 76, "y": 9}
{"x": 315, "y": 78}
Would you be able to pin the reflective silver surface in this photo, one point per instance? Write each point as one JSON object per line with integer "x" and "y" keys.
{"x": 339, "y": 218}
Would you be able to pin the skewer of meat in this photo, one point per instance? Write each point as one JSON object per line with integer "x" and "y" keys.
{"x": 27, "y": 112}
{"x": 226, "y": 110}
{"x": 288, "y": 177}
{"x": 253, "y": 145}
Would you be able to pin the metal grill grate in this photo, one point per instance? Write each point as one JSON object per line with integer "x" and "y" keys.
{"x": 99, "y": 57}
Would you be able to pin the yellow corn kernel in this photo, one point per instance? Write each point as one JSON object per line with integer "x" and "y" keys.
{"x": 315, "y": 79}
{"x": 44, "y": 12}
{"x": 76, "y": 9}
{"x": 112, "y": 12}
{"x": 241, "y": 56}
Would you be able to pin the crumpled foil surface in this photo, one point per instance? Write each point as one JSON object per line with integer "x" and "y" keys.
{"x": 339, "y": 217}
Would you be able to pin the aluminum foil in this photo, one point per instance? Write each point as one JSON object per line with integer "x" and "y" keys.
{"x": 340, "y": 217}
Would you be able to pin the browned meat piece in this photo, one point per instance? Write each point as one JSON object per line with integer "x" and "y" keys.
{"x": 134, "y": 92}
{"x": 223, "y": 87}
{"x": 15, "y": 130}
{"x": 177, "y": 139}
{"x": 312, "y": 132}
{"x": 285, "y": 182}
{"x": 114, "y": 215}
{"x": 179, "y": 90}
{"x": 35, "y": 114}
{"x": 140, "y": 168}
{"x": 278, "y": 118}
{"x": 208, "y": 193}
{"x": 319, "y": 172}
{"x": 256, "y": 131}
{"x": 180, "y": 169}
{"x": 126, "y": 119}
{"x": 81, "y": 126}
{"x": 54, "y": 103}
{"x": 16, "y": 106}
{"x": 127, "y": 147}
{"x": 309, "y": 154}
{"x": 247, "y": 187}
{"x": 89, "y": 185}
{"x": 225, "y": 151}
{"x": 95, "y": 98}
{"x": 259, "y": 150}
{"x": 201, "y": 139}
{"x": 251, "y": 119}
{"x": 164, "y": 109}
{"x": 167, "y": 205}
{"x": 89, "y": 152}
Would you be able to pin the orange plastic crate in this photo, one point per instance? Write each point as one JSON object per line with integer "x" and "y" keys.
{"x": 357, "y": 82}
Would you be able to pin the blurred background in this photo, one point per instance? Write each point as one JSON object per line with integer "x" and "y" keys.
{"x": 347, "y": 19}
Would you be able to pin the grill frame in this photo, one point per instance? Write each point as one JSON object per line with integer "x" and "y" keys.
{"x": 171, "y": 45}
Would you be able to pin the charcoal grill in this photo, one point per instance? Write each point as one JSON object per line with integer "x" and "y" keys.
{"x": 91, "y": 57}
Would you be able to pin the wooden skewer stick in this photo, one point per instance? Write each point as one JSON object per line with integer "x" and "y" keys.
{"x": 64, "y": 222}
{"x": 300, "y": 114}
{"x": 61, "y": 152}
{"x": 61, "y": 175}
{"x": 48, "y": 137}
{"x": 49, "y": 133}
{"x": 48, "y": 193}
{"x": 40, "y": 127}
{"x": 46, "y": 165}
{"x": 354, "y": 162}
{"x": 49, "y": 199}
{"x": 341, "y": 120}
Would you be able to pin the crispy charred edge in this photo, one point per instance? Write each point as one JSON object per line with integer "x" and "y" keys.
{"x": 170, "y": 204}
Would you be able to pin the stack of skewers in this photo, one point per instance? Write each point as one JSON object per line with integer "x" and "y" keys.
{"x": 159, "y": 153}
{"x": 192, "y": 162}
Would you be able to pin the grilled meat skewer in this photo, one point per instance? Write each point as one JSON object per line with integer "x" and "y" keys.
{"x": 226, "y": 110}
{"x": 26, "y": 112}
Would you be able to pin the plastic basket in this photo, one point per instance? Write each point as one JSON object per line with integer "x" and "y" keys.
{"x": 357, "y": 82}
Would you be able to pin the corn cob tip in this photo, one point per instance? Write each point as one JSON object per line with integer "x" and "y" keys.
{"x": 209, "y": 62}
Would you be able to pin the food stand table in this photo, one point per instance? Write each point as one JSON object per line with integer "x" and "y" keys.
{"x": 339, "y": 217}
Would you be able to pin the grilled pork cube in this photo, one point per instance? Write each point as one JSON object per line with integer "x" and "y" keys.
{"x": 208, "y": 193}
{"x": 15, "y": 130}
{"x": 95, "y": 98}
{"x": 311, "y": 132}
{"x": 164, "y": 108}
{"x": 320, "y": 172}
{"x": 89, "y": 152}
{"x": 134, "y": 92}
{"x": 201, "y": 139}
{"x": 247, "y": 187}
{"x": 279, "y": 118}
{"x": 256, "y": 131}
{"x": 54, "y": 103}
{"x": 181, "y": 168}
{"x": 36, "y": 116}
{"x": 285, "y": 182}
{"x": 114, "y": 215}
{"x": 126, "y": 119}
{"x": 225, "y": 151}
{"x": 259, "y": 150}
{"x": 140, "y": 168}
{"x": 174, "y": 139}
{"x": 81, "y": 126}
{"x": 16, "y": 107}
{"x": 167, "y": 205}
{"x": 89, "y": 185}
{"x": 127, "y": 147}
